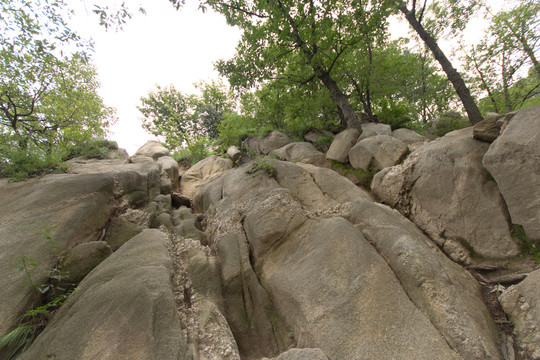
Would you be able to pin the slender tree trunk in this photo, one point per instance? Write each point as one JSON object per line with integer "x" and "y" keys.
{"x": 339, "y": 98}
{"x": 455, "y": 78}
{"x": 533, "y": 58}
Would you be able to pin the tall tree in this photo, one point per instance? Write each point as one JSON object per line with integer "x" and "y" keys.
{"x": 454, "y": 13}
{"x": 281, "y": 36}
{"x": 47, "y": 92}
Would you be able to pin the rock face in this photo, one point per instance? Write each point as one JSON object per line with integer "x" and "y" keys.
{"x": 152, "y": 149}
{"x": 487, "y": 130}
{"x": 203, "y": 169}
{"x": 300, "y": 151}
{"x": 272, "y": 141}
{"x": 373, "y": 129}
{"x": 83, "y": 258}
{"x": 444, "y": 189}
{"x": 522, "y": 303}
{"x": 343, "y": 142}
{"x": 408, "y": 136}
{"x": 133, "y": 283}
{"x": 71, "y": 209}
{"x": 377, "y": 152}
{"x": 514, "y": 161}
{"x": 311, "y": 262}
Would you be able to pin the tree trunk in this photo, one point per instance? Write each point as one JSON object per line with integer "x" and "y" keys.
{"x": 455, "y": 78}
{"x": 533, "y": 58}
{"x": 339, "y": 98}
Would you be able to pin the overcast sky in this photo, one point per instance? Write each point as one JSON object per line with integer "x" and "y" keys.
{"x": 163, "y": 47}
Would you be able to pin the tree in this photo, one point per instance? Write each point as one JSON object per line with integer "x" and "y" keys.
{"x": 48, "y": 95}
{"x": 453, "y": 13}
{"x": 298, "y": 41}
{"x": 182, "y": 118}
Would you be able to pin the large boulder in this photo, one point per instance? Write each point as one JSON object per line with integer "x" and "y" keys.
{"x": 373, "y": 129}
{"x": 300, "y": 151}
{"x": 169, "y": 168}
{"x": 309, "y": 261}
{"x": 408, "y": 136}
{"x": 487, "y": 130}
{"x": 152, "y": 149}
{"x": 377, "y": 152}
{"x": 343, "y": 142}
{"x": 447, "y": 294}
{"x": 125, "y": 309}
{"x": 444, "y": 189}
{"x": 40, "y": 218}
{"x": 202, "y": 170}
{"x": 272, "y": 141}
{"x": 513, "y": 159}
{"x": 83, "y": 258}
{"x": 522, "y": 303}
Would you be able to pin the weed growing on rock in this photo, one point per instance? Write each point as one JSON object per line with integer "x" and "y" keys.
{"x": 52, "y": 296}
{"x": 529, "y": 247}
{"x": 263, "y": 165}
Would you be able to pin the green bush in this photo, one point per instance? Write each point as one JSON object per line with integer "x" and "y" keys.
{"x": 528, "y": 247}
{"x": 93, "y": 149}
{"x": 21, "y": 164}
{"x": 448, "y": 122}
{"x": 196, "y": 151}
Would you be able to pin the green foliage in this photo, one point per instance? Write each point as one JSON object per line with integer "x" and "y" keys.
{"x": 19, "y": 164}
{"x": 196, "y": 151}
{"x": 183, "y": 118}
{"x": 92, "y": 149}
{"x": 323, "y": 143}
{"x": 52, "y": 297}
{"x": 363, "y": 176}
{"x": 449, "y": 122}
{"x": 264, "y": 165}
{"x": 528, "y": 247}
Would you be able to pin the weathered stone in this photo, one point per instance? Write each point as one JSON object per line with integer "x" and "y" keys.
{"x": 169, "y": 167}
{"x": 120, "y": 231}
{"x": 343, "y": 142}
{"x": 83, "y": 258}
{"x": 152, "y": 149}
{"x": 166, "y": 185}
{"x": 514, "y": 161}
{"x": 71, "y": 209}
{"x": 300, "y": 151}
{"x": 408, "y": 136}
{"x": 252, "y": 144}
{"x": 125, "y": 309}
{"x": 350, "y": 308}
{"x": 372, "y": 129}
{"x": 522, "y": 304}
{"x": 234, "y": 153}
{"x": 140, "y": 159}
{"x": 486, "y": 130}
{"x": 377, "y": 152}
{"x": 303, "y": 354}
{"x": 444, "y": 189}
{"x": 179, "y": 200}
{"x": 201, "y": 171}
{"x": 163, "y": 219}
{"x": 272, "y": 141}
{"x": 446, "y": 293}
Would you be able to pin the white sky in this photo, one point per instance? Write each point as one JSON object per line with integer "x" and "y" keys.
{"x": 164, "y": 47}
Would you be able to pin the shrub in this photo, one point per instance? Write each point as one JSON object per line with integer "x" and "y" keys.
{"x": 20, "y": 164}
{"x": 196, "y": 151}
{"x": 448, "y": 122}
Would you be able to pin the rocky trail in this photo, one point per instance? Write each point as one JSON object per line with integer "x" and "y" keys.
{"x": 282, "y": 257}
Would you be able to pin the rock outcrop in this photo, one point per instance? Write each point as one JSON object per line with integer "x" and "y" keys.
{"x": 445, "y": 190}
{"x": 514, "y": 162}
{"x": 343, "y": 142}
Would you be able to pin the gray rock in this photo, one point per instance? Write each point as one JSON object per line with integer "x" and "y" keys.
{"x": 343, "y": 142}
{"x": 179, "y": 200}
{"x": 234, "y": 153}
{"x": 83, "y": 258}
{"x": 163, "y": 219}
{"x": 272, "y": 141}
{"x": 120, "y": 231}
{"x": 522, "y": 303}
{"x": 377, "y": 152}
{"x": 408, "y": 136}
{"x": 514, "y": 161}
{"x": 166, "y": 185}
{"x": 487, "y": 130}
{"x": 152, "y": 149}
{"x": 198, "y": 173}
{"x": 74, "y": 208}
{"x": 169, "y": 167}
{"x": 299, "y": 151}
{"x": 372, "y": 129}
{"x": 446, "y": 293}
{"x": 140, "y": 159}
{"x": 444, "y": 189}
{"x": 303, "y": 354}
{"x": 125, "y": 309}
